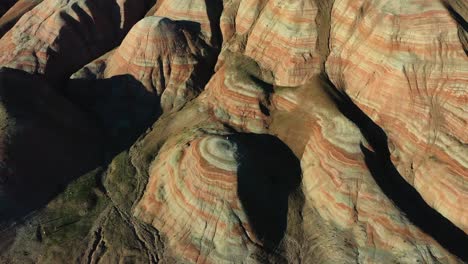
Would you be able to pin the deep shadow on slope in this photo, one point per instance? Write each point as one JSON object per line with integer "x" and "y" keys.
{"x": 403, "y": 195}
{"x": 268, "y": 172}
{"x": 45, "y": 143}
{"x": 121, "y": 105}
{"x": 14, "y": 13}
{"x": 51, "y": 142}
{"x": 459, "y": 12}
{"x": 5, "y": 6}
{"x": 456, "y": 15}
{"x": 214, "y": 9}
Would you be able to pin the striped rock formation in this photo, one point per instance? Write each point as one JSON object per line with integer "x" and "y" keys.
{"x": 337, "y": 184}
{"x": 380, "y": 56}
{"x": 201, "y": 16}
{"x": 249, "y": 131}
{"x": 14, "y": 13}
{"x": 5, "y": 6}
{"x": 236, "y": 96}
{"x": 191, "y": 198}
{"x": 159, "y": 67}
{"x": 280, "y": 36}
{"x": 207, "y": 191}
{"x": 165, "y": 57}
{"x": 290, "y": 51}
{"x": 169, "y": 58}
{"x": 58, "y": 37}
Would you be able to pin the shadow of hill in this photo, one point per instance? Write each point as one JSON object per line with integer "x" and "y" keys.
{"x": 403, "y": 195}
{"x": 86, "y": 31}
{"x": 214, "y": 10}
{"x": 121, "y": 105}
{"x": 455, "y": 15}
{"x": 462, "y": 23}
{"x": 5, "y": 6}
{"x": 46, "y": 141}
{"x": 268, "y": 172}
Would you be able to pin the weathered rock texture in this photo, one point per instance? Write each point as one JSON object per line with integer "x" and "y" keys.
{"x": 192, "y": 197}
{"x": 426, "y": 74}
{"x": 14, "y": 13}
{"x": 46, "y": 142}
{"x": 234, "y": 131}
{"x": 58, "y": 37}
{"x": 163, "y": 55}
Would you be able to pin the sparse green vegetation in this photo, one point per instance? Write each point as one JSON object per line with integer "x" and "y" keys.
{"x": 121, "y": 182}
{"x": 69, "y": 218}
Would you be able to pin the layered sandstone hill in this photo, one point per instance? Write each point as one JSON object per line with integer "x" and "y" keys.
{"x": 234, "y": 131}
{"x": 12, "y": 14}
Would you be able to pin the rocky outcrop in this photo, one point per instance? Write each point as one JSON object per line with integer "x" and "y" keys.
{"x": 337, "y": 182}
{"x": 192, "y": 198}
{"x": 163, "y": 55}
{"x": 281, "y": 37}
{"x": 237, "y": 96}
{"x": 199, "y": 14}
{"x": 160, "y": 66}
{"x": 379, "y": 56}
{"x": 58, "y": 37}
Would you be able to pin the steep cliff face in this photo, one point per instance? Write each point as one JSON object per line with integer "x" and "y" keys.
{"x": 46, "y": 142}
{"x": 235, "y": 131}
